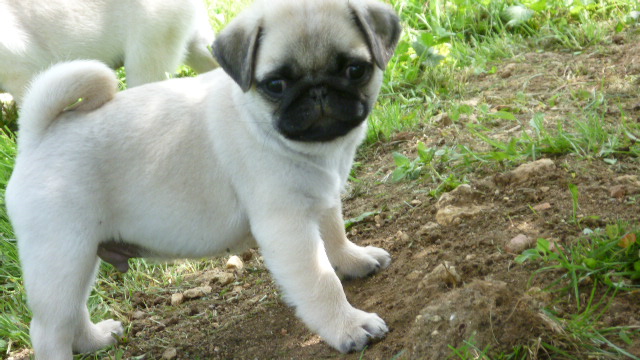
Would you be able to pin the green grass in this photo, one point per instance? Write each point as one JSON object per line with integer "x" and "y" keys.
{"x": 443, "y": 44}
{"x": 445, "y": 41}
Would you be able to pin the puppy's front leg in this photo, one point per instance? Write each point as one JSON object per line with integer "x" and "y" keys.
{"x": 348, "y": 259}
{"x": 295, "y": 255}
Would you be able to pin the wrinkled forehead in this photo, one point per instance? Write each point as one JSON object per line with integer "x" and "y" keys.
{"x": 309, "y": 38}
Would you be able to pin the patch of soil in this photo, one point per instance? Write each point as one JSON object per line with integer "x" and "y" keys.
{"x": 487, "y": 297}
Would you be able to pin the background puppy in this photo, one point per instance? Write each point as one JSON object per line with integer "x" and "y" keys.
{"x": 150, "y": 38}
{"x": 255, "y": 152}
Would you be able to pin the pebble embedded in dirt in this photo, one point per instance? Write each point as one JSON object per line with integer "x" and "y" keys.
{"x": 458, "y": 204}
{"x": 177, "y": 299}
{"x": 414, "y": 275}
{"x": 197, "y": 292}
{"x": 137, "y": 315}
{"x": 526, "y": 172}
{"x": 507, "y": 70}
{"x": 170, "y": 353}
{"x": 542, "y": 207}
{"x": 519, "y": 244}
{"x": 235, "y": 263}
{"x": 453, "y": 215}
{"x": 402, "y": 236}
{"x": 441, "y": 274}
{"x": 462, "y": 195}
{"x": 442, "y": 119}
{"x": 427, "y": 228}
{"x": 618, "y": 191}
{"x": 216, "y": 276}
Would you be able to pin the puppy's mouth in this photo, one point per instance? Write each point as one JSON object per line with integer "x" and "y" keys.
{"x": 321, "y": 111}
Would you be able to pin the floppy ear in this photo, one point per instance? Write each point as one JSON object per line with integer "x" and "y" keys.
{"x": 235, "y": 49}
{"x": 381, "y": 28}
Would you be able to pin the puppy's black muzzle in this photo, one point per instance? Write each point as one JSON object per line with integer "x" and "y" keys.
{"x": 321, "y": 110}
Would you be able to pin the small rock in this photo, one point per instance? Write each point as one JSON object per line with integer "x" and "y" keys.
{"x": 453, "y": 215}
{"x": 414, "y": 275}
{"x": 470, "y": 257}
{"x": 542, "y": 207}
{"x": 247, "y": 255}
{"x": 402, "y": 236}
{"x": 442, "y": 119}
{"x": 462, "y": 195}
{"x": 507, "y": 70}
{"x": 170, "y": 353}
{"x": 225, "y": 278}
{"x": 432, "y": 318}
{"x": 427, "y": 228}
{"x": 527, "y": 171}
{"x": 283, "y": 332}
{"x": 140, "y": 314}
{"x": 443, "y": 273}
{"x": 519, "y": 244}
{"x": 618, "y": 191}
{"x": 216, "y": 276}
{"x": 177, "y": 299}
{"x": 235, "y": 263}
{"x": 197, "y": 292}
{"x": 416, "y": 202}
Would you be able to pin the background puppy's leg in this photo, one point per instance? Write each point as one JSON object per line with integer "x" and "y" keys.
{"x": 143, "y": 67}
{"x": 295, "y": 255}
{"x": 199, "y": 57}
{"x": 15, "y": 84}
{"x": 58, "y": 274}
{"x": 155, "y": 51}
{"x": 348, "y": 259}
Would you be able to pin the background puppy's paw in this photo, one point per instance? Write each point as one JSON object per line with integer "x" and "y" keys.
{"x": 357, "y": 332}
{"x": 358, "y": 262}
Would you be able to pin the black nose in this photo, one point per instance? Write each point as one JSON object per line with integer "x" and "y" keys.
{"x": 318, "y": 93}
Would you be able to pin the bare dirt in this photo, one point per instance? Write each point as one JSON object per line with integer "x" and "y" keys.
{"x": 483, "y": 294}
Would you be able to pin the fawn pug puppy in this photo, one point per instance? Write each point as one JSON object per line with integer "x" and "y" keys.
{"x": 255, "y": 152}
{"x": 149, "y": 37}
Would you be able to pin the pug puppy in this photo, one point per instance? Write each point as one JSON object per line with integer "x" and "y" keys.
{"x": 149, "y": 37}
{"x": 254, "y": 153}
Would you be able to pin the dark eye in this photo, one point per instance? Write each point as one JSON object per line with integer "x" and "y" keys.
{"x": 356, "y": 71}
{"x": 275, "y": 86}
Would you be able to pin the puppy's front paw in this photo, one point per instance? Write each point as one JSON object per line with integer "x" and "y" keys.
{"x": 357, "y": 331}
{"x": 356, "y": 262}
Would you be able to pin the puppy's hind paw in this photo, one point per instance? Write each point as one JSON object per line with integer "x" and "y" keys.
{"x": 98, "y": 336}
{"x": 111, "y": 327}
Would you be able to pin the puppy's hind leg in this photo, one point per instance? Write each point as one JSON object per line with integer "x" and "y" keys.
{"x": 348, "y": 259}
{"x": 58, "y": 274}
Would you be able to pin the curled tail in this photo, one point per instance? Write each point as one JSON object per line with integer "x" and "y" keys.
{"x": 57, "y": 89}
